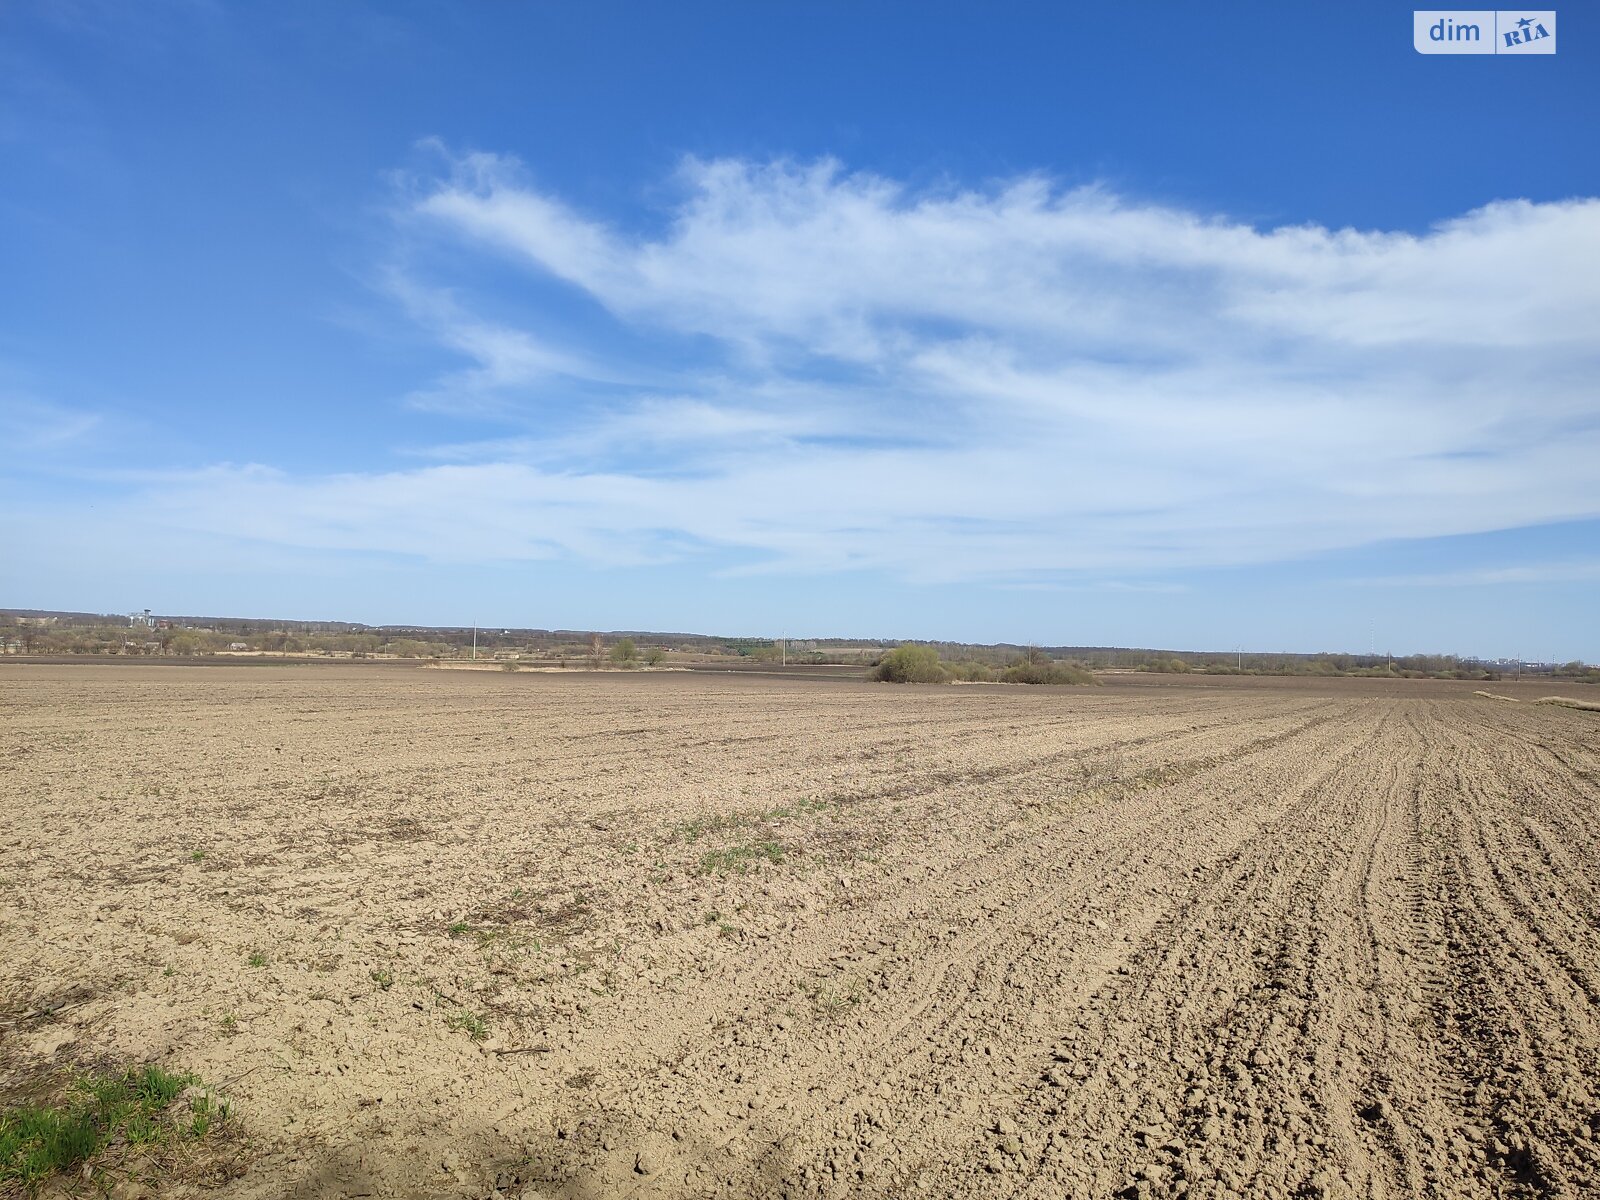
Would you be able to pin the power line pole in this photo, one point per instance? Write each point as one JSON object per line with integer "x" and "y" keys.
{"x": 474, "y": 641}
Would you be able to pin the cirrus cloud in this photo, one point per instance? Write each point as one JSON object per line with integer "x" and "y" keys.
{"x": 803, "y": 368}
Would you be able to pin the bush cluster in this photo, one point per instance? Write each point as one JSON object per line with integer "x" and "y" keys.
{"x": 968, "y": 671}
{"x": 921, "y": 664}
{"x": 1166, "y": 666}
{"x": 1048, "y": 671}
{"x": 911, "y": 664}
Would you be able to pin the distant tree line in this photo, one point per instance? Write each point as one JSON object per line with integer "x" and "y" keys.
{"x": 975, "y": 660}
{"x": 35, "y": 632}
{"x": 920, "y": 663}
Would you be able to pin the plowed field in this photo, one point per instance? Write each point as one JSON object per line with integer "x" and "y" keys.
{"x": 473, "y": 934}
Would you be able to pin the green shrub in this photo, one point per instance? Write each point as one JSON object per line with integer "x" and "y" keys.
{"x": 911, "y": 664}
{"x": 968, "y": 671}
{"x": 1166, "y": 666}
{"x": 1048, "y": 671}
{"x": 408, "y": 648}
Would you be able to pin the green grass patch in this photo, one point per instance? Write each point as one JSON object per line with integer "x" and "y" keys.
{"x": 750, "y": 838}
{"x": 506, "y": 942}
{"x": 692, "y": 831}
{"x": 470, "y": 1023}
{"x": 800, "y": 808}
{"x": 39, "y": 1141}
{"x": 835, "y": 1000}
{"x": 738, "y": 860}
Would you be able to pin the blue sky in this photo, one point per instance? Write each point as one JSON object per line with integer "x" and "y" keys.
{"x": 1144, "y": 325}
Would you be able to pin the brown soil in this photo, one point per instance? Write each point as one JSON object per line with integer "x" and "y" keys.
{"x": 751, "y": 936}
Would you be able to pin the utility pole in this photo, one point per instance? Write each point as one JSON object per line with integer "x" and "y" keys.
{"x": 474, "y": 641}
{"x": 784, "y": 642}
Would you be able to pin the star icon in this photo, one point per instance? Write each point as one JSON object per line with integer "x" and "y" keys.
{"x": 1525, "y": 22}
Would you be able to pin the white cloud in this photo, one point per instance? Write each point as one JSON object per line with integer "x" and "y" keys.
{"x": 503, "y": 358}
{"x": 30, "y": 426}
{"x": 823, "y": 370}
{"x": 832, "y": 262}
{"x": 1532, "y": 573}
